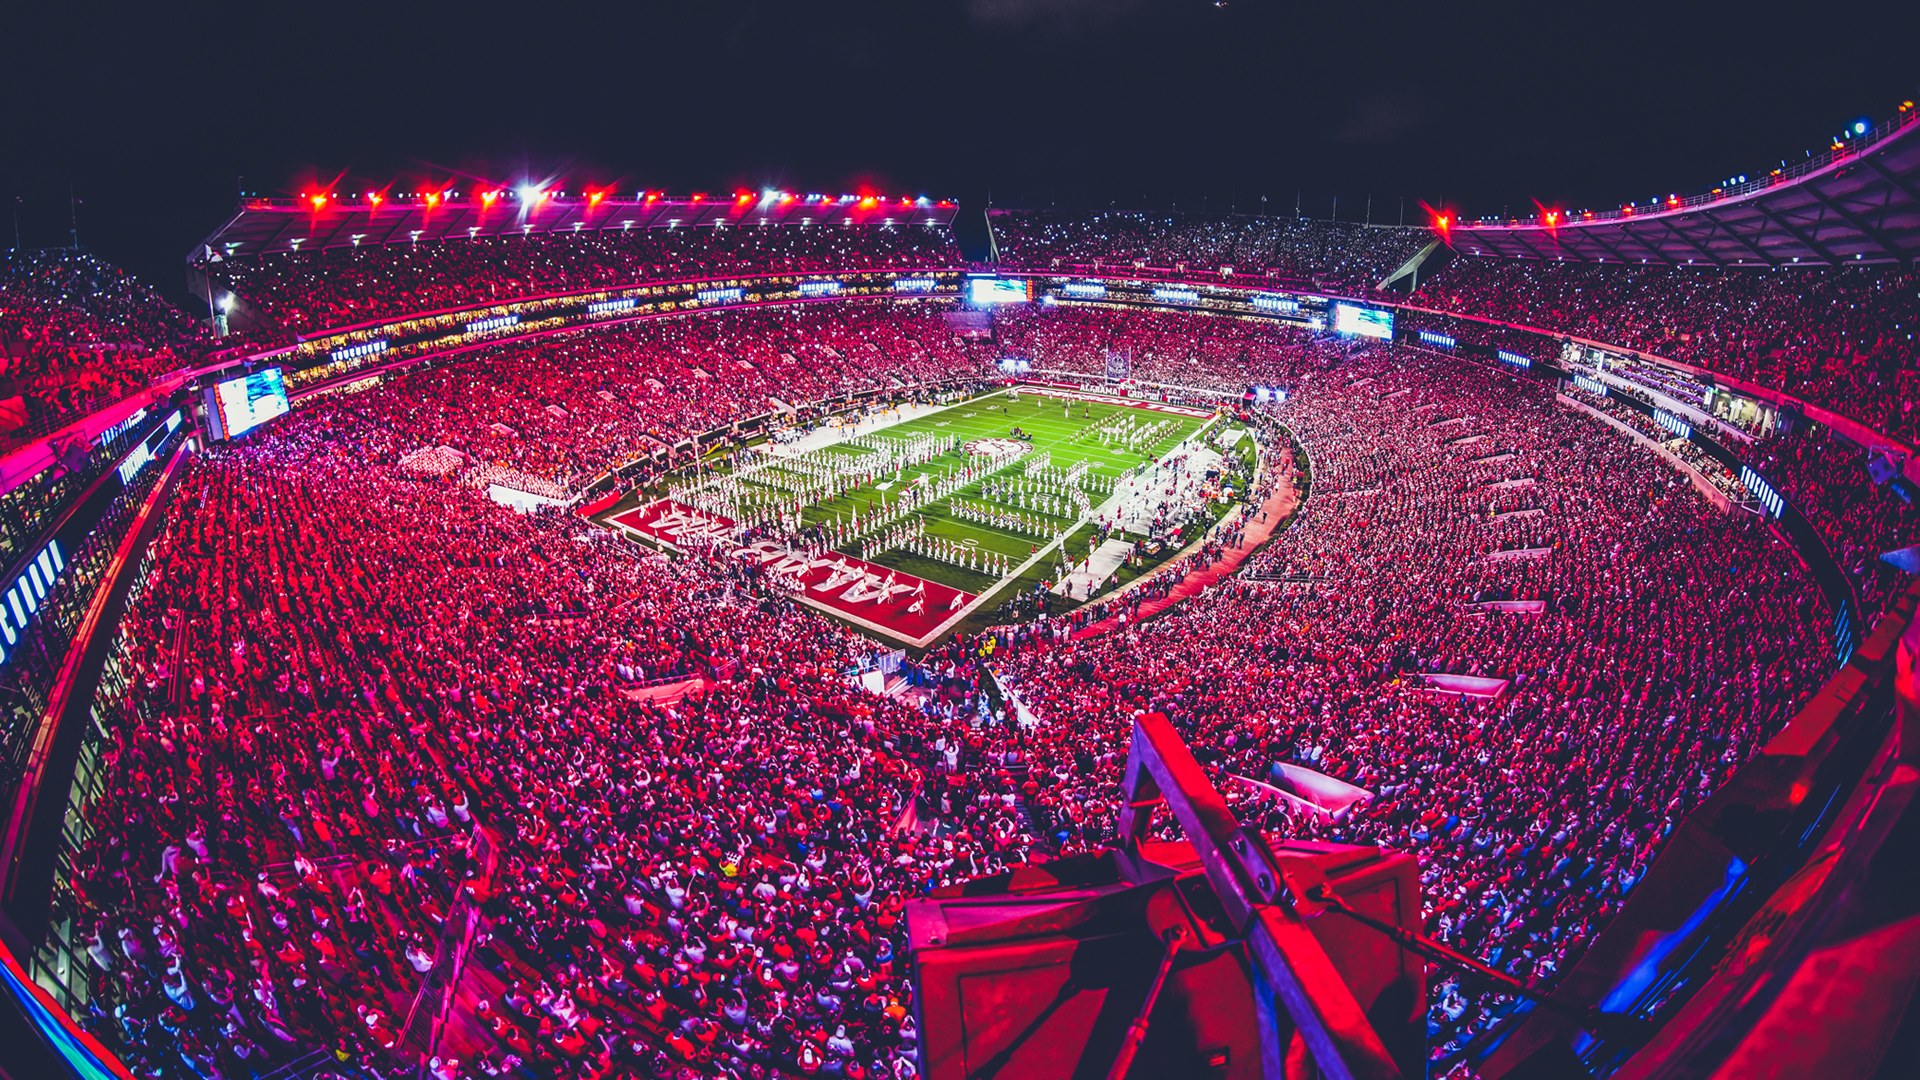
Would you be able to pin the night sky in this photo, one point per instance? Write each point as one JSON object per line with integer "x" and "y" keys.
{"x": 152, "y": 111}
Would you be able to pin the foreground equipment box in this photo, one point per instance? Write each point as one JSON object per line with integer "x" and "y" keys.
{"x": 1039, "y": 972}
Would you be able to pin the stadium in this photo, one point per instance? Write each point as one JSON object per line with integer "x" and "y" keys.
{"x": 502, "y": 626}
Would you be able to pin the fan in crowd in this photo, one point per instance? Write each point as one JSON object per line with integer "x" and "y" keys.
{"x": 375, "y": 719}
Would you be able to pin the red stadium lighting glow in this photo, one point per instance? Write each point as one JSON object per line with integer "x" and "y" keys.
{"x": 433, "y": 199}
{"x": 376, "y": 198}
{"x": 594, "y": 197}
{"x": 318, "y": 201}
{"x": 653, "y": 196}
{"x": 743, "y": 197}
{"x": 699, "y": 195}
{"x": 487, "y": 197}
{"x": 869, "y": 201}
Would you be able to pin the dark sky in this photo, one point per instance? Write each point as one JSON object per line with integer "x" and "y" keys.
{"x": 152, "y": 110}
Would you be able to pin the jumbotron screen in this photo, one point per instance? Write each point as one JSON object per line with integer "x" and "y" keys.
{"x": 998, "y": 291}
{"x": 249, "y": 401}
{"x": 1363, "y": 321}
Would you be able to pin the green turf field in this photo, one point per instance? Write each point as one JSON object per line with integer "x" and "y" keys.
{"x": 1067, "y": 431}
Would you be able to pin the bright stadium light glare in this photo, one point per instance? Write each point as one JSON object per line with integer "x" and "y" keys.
{"x": 529, "y": 194}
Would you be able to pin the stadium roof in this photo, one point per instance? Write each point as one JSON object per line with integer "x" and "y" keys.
{"x": 1858, "y": 202}
{"x": 262, "y": 226}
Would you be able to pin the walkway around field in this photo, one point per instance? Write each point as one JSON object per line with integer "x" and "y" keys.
{"x": 1277, "y": 509}
{"x": 1092, "y": 574}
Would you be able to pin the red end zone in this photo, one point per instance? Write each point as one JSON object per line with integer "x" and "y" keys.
{"x": 877, "y": 596}
{"x": 673, "y": 523}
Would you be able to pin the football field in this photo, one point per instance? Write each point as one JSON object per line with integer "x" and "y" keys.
{"x": 1009, "y": 485}
{"x": 1059, "y": 432}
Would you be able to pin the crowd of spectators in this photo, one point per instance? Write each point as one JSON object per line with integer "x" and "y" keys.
{"x": 301, "y": 293}
{"x": 347, "y": 676}
{"x": 77, "y": 333}
{"x": 1651, "y": 671}
{"x": 1205, "y": 352}
{"x": 365, "y": 700}
{"x": 1843, "y": 339}
{"x": 1704, "y": 465}
{"x": 1861, "y": 516}
{"x": 1338, "y": 256}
